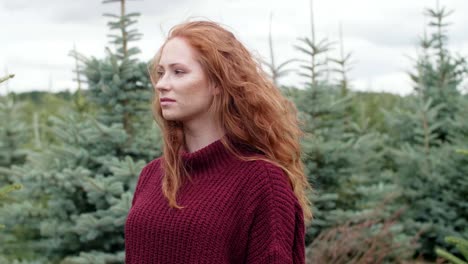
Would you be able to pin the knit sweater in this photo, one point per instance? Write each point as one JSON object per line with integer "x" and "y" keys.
{"x": 235, "y": 212}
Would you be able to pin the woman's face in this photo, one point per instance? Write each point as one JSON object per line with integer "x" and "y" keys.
{"x": 183, "y": 80}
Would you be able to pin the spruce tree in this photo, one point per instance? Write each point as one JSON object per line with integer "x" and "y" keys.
{"x": 344, "y": 156}
{"x": 13, "y": 137}
{"x": 439, "y": 73}
{"x": 79, "y": 189}
{"x": 276, "y": 71}
{"x": 423, "y": 133}
{"x": 12, "y": 132}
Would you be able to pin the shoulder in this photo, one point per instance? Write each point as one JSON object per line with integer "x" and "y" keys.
{"x": 150, "y": 169}
{"x": 153, "y": 164}
{"x": 146, "y": 173}
{"x": 267, "y": 174}
{"x": 268, "y": 182}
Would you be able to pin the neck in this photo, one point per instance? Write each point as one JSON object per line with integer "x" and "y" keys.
{"x": 199, "y": 137}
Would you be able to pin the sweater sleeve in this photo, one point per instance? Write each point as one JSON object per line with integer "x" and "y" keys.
{"x": 277, "y": 231}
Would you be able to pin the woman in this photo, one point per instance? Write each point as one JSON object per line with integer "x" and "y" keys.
{"x": 231, "y": 158}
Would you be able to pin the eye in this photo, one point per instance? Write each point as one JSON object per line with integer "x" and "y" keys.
{"x": 160, "y": 73}
{"x": 178, "y": 72}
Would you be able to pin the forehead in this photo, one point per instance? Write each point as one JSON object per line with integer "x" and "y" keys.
{"x": 177, "y": 50}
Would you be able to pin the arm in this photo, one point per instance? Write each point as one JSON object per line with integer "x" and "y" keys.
{"x": 277, "y": 231}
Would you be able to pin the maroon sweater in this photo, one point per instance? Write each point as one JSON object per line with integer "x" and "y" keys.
{"x": 235, "y": 212}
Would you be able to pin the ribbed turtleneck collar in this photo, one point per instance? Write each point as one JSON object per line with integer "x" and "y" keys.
{"x": 207, "y": 159}
{"x": 213, "y": 157}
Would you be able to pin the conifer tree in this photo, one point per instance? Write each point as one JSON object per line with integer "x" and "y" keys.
{"x": 439, "y": 73}
{"x": 12, "y": 131}
{"x": 79, "y": 189}
{"x": 423, "y": 133}
{"x": 12, "y": 140}
{"x": 343, "y": 66}
{"x": 344, "y": 158}
{"x": 276, "y": 71}
{"x": 119, "y": 85}
{"x": 314, "y": 66}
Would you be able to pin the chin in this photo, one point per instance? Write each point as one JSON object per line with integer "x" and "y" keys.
{"x": 170, "y": 117}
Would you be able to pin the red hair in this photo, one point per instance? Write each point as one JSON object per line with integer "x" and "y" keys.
{"x": 245, "y": 90}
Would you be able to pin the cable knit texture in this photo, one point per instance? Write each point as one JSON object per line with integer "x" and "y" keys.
{"x": 235, "y": 212}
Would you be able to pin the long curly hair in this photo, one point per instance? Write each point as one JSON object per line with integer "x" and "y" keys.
{"x": 245, "y": 90}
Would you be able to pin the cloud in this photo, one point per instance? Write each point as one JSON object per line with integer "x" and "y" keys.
{"x": 378, "y": 33}
{"x": 86, "y": 11}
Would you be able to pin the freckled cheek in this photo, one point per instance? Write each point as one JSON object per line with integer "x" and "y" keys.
{"x": 183, "y": 95}
{"x": 192, "y": 88}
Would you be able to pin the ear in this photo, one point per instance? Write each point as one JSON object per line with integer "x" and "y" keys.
{"x": 214, "y": 87}
{"x": 216, "y": 90}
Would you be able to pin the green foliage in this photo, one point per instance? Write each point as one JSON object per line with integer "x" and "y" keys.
{"x": 78, "y": 157}
{"x": 344, "y": 160}
{"x": 80, "y": 191}
{"x": 78, "y": 187}
{"x": 12, "y": 137}
{"x": 423, "y": 132}
{"x": 277, "y": 71}
{"x": 119, "y": 85}
{"x": 438, "y": 73}
{"x": 343, "y": 66}
{"x": 370, "y": 108}
{"x": 13, "y": 132}
{"x": 461, "y": 244}
{"x": 315, "y": 67}
{"x": 4, "y": 191}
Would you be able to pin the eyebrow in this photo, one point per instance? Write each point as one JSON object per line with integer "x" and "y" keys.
{"x": 172, "y": 65}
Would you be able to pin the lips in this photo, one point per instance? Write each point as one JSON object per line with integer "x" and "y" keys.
{"x": 166, "y": 100}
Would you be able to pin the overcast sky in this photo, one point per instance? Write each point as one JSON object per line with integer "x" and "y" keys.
{"x": 36, "y": 36}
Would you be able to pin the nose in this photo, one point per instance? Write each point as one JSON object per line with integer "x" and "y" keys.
{"x": 162, "y": 84}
